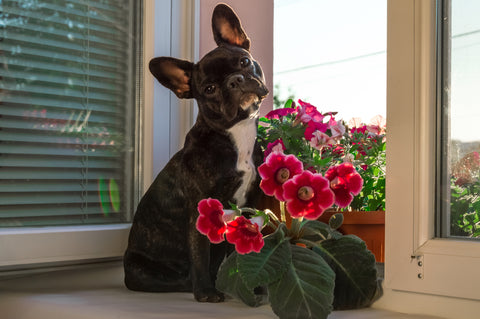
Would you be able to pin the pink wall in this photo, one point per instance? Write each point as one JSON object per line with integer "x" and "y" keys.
{"x": 257, "y": 20}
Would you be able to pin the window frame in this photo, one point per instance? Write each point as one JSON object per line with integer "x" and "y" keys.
{"x": 32, "y": 247}
{"x": 417, "y": 261}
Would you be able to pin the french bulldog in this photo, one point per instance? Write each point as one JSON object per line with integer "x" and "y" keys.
{"x": 165, "y": 251}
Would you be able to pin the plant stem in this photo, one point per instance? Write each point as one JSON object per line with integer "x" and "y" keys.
{"x": 296, "y": 225}
{"x": 282, "y": 212}
{"x": 272, "y": 215}
{"x": 248, "y": 210}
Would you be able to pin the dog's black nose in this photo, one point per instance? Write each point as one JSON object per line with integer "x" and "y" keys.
{"x": 235, "y": 81}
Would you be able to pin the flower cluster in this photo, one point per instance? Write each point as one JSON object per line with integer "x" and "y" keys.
{"x": 466, "y": 170}
{"x": 217, "y": 223}
{"x": 307, "y": 194}
{"x": 321, "y": 140}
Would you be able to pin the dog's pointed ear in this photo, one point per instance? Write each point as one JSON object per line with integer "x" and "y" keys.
{"x": 227, "y": 27}
{"x": 174, "y": 74}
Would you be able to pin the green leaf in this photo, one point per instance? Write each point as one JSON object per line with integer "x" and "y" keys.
{"x": 230, "y": 282}
{"x": 336, "y": 221}
{"x": 288, "y": 103}
{"x": 314, "y": 230}
{"x": 264, "y": 120}
{"x": 306, "y": 289}
{"x": 267, "y": 266}
{"x": 356, "y": 283}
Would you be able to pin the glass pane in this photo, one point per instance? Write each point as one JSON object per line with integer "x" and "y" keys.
{"x": 461, "y": 115}
{"x": 67, "y": 106}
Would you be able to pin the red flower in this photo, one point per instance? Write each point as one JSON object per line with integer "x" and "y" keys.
{"x": 245, "y": 235}
{"x": 312, "y": 127}
{"x": 360, "y": 130}
{"x": 345, "y": 182}
{"x": 338, "y": 150}
{"x": 279, "y": 113}
{"x": 210, "y": 221}
{"x": 277, "y": 169}
{"x": 276, "y": 146}
{"x": 308, "y": 195}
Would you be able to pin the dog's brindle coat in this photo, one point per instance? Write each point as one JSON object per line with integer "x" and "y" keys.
{"x": 165, "y": 251}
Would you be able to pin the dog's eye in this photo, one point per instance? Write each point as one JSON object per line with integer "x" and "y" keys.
{"x": 210, "y": 89}
{"x": 244, "y": 62}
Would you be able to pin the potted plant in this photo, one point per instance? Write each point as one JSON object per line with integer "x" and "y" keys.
{"x": 304, "y": 268}
{"x": 320, "y": 140}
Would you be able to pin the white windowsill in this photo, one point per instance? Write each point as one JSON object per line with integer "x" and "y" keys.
{"x": 98, "y": 292}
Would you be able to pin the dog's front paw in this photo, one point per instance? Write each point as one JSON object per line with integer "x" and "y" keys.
{"x": 208, "y": 295}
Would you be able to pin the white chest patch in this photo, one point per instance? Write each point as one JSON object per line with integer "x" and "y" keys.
{"x": 244, "y": 134}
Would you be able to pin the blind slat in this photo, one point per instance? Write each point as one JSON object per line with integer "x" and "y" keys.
{"x": 40, "y": 125}
{"x": 61, "y": 22}
{"x": 18, "y": 160}
{"x": 32, "y": 149}
{"x": 54, "y": 210}
{"x": 31, "y": 107}
{"x": 77, "y": 48}
{"x": 51, "y": 198}
{"x": 73, "y": 35}
{"x": 60, "y": 80}
{"x": 32, "y": 88}
{"x": 10, "y": 52}
{"x": 53, "y": 186}
{"x": 55, "y": 174}
{"x": 67, "y": 68}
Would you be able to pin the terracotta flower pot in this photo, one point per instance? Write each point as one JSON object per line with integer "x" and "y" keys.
{"x": 369, "y": 226}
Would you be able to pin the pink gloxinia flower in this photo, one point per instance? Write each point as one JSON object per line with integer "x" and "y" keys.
{"x": 337, "y": 128}
{"x": 345, "y": 183}
{"x": 276, "y": 170}
{"x": 276, "y": 146}
{"x": 377, "y": 125}
{"x": 210, "y": 222}
{"x": 307, "y": 112}
{"x": 279, "y": 113}
{"x": 245, "y": 235}
{"x": 308, "y": 195}
{"x": 320, "y": 140}
{"x": 355, "y": 122}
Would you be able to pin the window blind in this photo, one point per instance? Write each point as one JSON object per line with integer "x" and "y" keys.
{"x": 67, "y": 111}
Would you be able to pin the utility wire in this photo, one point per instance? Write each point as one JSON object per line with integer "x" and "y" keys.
{"x": 312, "y": 66}
{"x": 306, "y": 67}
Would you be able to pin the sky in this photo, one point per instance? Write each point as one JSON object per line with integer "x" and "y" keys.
{"x": 465, "y": 71}
{"x": 332, "y": 54}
